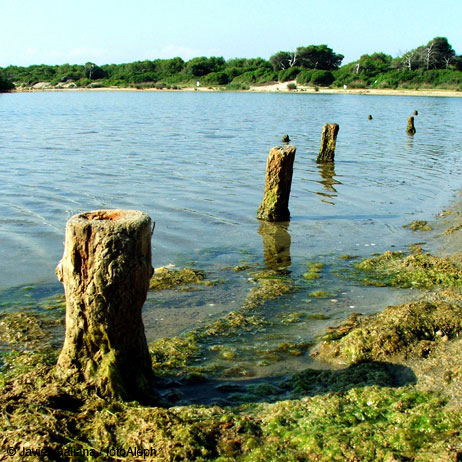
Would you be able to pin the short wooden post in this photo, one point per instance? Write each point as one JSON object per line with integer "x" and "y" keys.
{"x": 105, "y": 270}
{"x": 328, "y": 143}
{"x": 279, "y": 169}
{"x": 410, "y": 129}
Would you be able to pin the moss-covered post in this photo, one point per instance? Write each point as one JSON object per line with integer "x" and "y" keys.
{"x": 410, "y": 130}
{"x": 328, "y": 143}
{"x": 105, "y": 270}
{"x": 279, "y": 170}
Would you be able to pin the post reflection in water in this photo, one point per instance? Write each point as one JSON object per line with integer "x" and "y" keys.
{"x": 327, "y": 172}
{"x": 410, "y": 144}
{"x": 276, "y": 244}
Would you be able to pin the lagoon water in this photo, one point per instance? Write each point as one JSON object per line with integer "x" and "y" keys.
{"x": 195, "y": 162}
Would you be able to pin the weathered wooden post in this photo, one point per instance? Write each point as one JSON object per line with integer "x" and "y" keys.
{"x": 410, "y": 129}
{"x": 279, "y": 170}
{"x": 328, "y": 142}
{"x": 105, "y": 270}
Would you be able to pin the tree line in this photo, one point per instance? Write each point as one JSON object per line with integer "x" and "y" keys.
{"x": 434, "y": 65}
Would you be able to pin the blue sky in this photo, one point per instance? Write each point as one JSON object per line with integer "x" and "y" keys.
{"x": 103, "y": 31}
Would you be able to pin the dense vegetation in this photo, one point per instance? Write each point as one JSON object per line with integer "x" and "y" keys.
{"x": 434, "y": 65}
{"x": 5, "y": 84}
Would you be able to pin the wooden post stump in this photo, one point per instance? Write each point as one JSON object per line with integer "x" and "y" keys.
{"x": 410, "y": 130}
{"x": 279, "y": 170}
{"x": 328, "y": 143}
{"x": 105, "y": 270}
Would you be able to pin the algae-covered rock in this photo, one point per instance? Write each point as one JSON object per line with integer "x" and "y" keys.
{"x": 418, "y": 225}
{"x": 314, "y": 271}
{"x": 416, "y": 270}
{"x": 270, "y": 285}
{"x": 165, "y": 278}
{"x": 170, "y": 354}
{"x": 231, "y": 324}
{"x": 401, "y": 331}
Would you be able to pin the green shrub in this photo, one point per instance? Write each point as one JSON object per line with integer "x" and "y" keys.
{"x": 323, "y": 78}
{"x": 216, "y": 78}
{"x": 288, "y": 74}
{"x": 83, "y": 82}
{"x": 5, "y": 85}
{"x": 291, "y": 86}
{"x": 237, "y": 86}
{"x": 304, "y": 77}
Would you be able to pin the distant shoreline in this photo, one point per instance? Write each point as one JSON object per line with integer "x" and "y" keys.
{"x": 271, "y": 88}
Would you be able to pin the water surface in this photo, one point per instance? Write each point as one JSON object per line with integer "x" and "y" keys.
{"x": 195, "y": 162}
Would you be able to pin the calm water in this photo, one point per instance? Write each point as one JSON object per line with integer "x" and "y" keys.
{"x": 195, "y": 162}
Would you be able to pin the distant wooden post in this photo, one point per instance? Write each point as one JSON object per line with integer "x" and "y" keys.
{"x": 328, "y": 143}
{"x": 279, "y": 169}
{"x": 410, "y": 130}
{"x": 105, "y": 269}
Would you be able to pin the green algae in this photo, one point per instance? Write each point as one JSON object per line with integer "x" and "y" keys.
{"x": 411, "y": 329}
{"x": 314, "y": 271}
{"x": 418, "y": 225}
{"x": 317, "y": 316}
{"x": 351, "y": 414}
{"x": 347, "y": 257}
{"x": 292, "y": 318}
{"x": 173, "y": 354}
{"x": 165, "y": 278}
{"x": 231, "y": 324}
{"x": 419, "y": 269}
{"x": 270, "y": 285}
{"x": 283, "y": 350}
{"x": 453, "y": 229}
{"x": 321, "y": 294}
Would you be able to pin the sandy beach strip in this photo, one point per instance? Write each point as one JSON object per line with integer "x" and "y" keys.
{"x": 280, "y": 87}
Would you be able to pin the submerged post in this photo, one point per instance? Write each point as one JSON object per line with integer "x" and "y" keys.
{"x": 279, "y": 170}
{"x": 328, "y": 143}
{"x": 105, "y": 270}
{"x": 410, "y": 130}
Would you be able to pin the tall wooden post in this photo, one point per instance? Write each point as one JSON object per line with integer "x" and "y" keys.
{"x": 279, "y": 170}
{"x": 410, "y": 129}
{"x": 328, "y": 143}
{"x": 105, "y": 269}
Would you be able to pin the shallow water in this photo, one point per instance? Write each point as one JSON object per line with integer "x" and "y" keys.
{"x": 195, "y": 162}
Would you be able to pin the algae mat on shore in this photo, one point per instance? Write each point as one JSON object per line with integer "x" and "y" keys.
{"x": 356, "y": 413}
{"x": 47, "y": 421}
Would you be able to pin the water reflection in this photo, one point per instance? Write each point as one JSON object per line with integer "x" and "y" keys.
{"x": 327, "y": 172}
{"x": 276, "y": 244}
{"x": 410, "y": 144}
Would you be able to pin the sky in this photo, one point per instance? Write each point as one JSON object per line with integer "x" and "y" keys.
{"x": 120, "y": 31}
